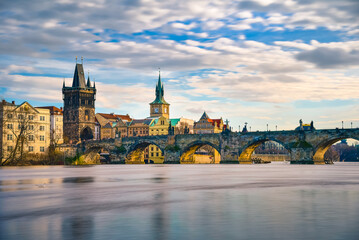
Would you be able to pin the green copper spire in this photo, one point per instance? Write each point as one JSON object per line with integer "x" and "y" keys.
{"x": 159, "y": 91}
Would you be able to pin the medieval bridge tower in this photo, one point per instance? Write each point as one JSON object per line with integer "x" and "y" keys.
{"x": 79, "y": 108}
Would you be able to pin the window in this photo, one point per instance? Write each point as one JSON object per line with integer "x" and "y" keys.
{"x": 31, "y": 117}
{"x": 42, "y": 149}
{"x": 31, "y": 149}
{"x": 9, "y": 126}
{"x": 151, "y": 154}
{"x": 42, "y": 118}
{"x": 31, "y": 137}
{"x": 151, "y": 148}
{"x": 31, "y": 127}
{"x": 20, "y": 116}
{"x": 9, "y": 137}
{"x": 87, "y": 115}
{"x": 157, "y": 154}
{"x": 9, "y": 116}
{"x": 42, "y": 138}
{"x": 9, "y": 148}
{"x": 42, "y": 128}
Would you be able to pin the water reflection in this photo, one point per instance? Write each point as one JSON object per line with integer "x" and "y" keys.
{"x": 27, "y": 184}
{"x": 78, "y": 180}
{"x": 78, "y": 227}
{"x": 182, "y": 202}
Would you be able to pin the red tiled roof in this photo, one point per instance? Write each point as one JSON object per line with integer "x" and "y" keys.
{"x": 115, "y": 116}
{"x": 216, "y": 122}
{"x": 53, "y": 109}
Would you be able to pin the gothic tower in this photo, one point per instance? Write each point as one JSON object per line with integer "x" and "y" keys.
{"x": 159, "y": 107}
{"x": 79, "y": 108}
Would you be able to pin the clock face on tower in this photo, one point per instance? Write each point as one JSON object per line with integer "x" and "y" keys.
{"x": 156, "y": 110}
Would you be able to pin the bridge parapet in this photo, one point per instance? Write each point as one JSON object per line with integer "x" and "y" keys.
{"x": 233, "y": 147}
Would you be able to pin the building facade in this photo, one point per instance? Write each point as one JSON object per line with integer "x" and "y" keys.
{"x": 79, "y": 108}
{"x": 24, "y": 129}
{"x": 56, "y": 124}
{"x": 113, "y": 125}
{"x": 208, "y": 125}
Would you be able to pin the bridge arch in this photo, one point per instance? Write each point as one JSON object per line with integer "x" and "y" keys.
{"x": 139, "y": 153}
{"x": 92, "y": 154}
{"x": 188, "y": 153}
{"x": 245, "y": 154}
{"x": 322, "y": 147}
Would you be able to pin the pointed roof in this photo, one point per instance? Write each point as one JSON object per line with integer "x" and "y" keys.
{"x": 159, "y": 92}
{"x": 204, "y": 116}
{"x": 88, "y": 81}
{"x": 79, "y": 77}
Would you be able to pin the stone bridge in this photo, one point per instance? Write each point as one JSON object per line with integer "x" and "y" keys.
{"x": 304, "y": 147}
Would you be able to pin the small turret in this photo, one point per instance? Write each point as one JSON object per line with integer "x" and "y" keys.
{"x": 88, "y": 81}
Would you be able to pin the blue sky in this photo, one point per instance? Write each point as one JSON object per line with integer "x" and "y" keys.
{"x": 262, "y": 62}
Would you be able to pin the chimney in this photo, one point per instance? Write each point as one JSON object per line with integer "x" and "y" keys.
{"x": 61, "y": 108}
{"x": 13, "y": 102}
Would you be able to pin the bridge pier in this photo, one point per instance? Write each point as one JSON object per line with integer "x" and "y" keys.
{"x": 229, "y": 157}
{"x": 303, "y": 156}
{"x": 172, "y": 157}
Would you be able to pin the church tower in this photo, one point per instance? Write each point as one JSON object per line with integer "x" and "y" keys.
{"x": 159, "y": 107}
{"x": 79, "y": 108}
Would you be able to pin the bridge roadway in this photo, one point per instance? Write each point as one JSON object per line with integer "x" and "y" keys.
{"x": 305, "y": 147}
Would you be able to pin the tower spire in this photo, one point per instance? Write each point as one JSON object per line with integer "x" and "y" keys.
{"x": 79, "y": 80}
{"x": 88, "y": 79}
{"x": 159, "y": 91}
{"x": 63, "y": 83}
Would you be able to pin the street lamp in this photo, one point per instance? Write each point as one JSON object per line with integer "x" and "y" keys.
{"x": 342, "y": 124}
{"x": 276, "y": 128}
{"x": 267, "y": 127}
{"x": 351, "y": 124}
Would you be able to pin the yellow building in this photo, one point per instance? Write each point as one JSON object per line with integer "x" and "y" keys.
{"x": 56, "y": 124}
{"x": 159, "y": 126}
{"x": 159, "y": 113}
{"x": 24, "y": 129}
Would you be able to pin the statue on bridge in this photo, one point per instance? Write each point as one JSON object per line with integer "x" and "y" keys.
{"x": 245, "y": 128}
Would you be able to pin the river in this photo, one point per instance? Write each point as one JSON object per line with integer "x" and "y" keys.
{"x": 262, "y": 201}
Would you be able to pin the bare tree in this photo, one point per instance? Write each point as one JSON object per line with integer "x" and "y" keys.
{"x": 19, "y": 127}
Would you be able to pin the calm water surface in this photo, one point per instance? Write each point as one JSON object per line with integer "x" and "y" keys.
{"x": 272, "y": 201}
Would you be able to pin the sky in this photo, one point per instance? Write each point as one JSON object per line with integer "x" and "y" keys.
{"x": 261, "y": 61}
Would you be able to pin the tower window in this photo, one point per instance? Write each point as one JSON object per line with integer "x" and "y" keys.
{"x": 87, "y": 115}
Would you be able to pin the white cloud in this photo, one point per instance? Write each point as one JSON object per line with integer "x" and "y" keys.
{"x": 184, "y": 26}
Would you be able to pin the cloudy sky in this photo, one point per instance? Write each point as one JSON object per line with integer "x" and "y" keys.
{"x": 262, "y": 62}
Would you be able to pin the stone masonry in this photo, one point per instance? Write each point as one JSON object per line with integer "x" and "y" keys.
{"x": 305, "y": 147}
